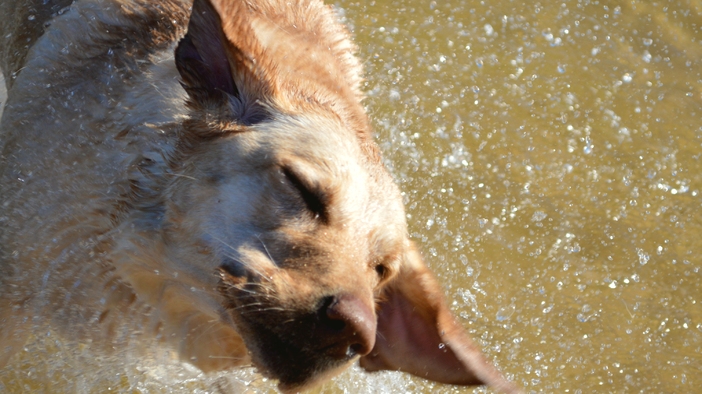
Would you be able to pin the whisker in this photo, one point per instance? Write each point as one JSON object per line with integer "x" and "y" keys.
{"x": 182, "y": 176}
{"x": 248, "y": 291}
{"x": 265, "y": 286}
{"x": 237, "y": 259}
{"x": 266, "y": 249}
{"x": 245, "y": 306}
{"x": 256, "y": 305}
{"x": 226, "y": 357}
{"x": 222, "y": 241}
{"x": 271, "y": 309}
{"x": 248, "y": 267}
{"x": 211, "y": 324}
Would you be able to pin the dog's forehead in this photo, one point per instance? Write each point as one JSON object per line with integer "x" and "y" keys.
{"x": 324, "y": 150}
{"x": 327, "y": 147}
{"x": 311, "y": 134}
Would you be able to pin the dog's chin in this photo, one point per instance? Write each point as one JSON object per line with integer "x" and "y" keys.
{"x": 297, "y": 387}
{"x": 296, "y": 366}
{"x": 303, "y": 372}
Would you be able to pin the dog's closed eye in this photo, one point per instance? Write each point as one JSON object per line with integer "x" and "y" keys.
{"x": 315, "y": 199}
{"x": 382, "y": 270}
{"x": 386, "y": 268}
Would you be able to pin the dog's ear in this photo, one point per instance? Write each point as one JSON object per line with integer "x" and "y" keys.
{"x": 291, "y": 57}
{"x": 201, "y": 56}
{"x": 215, "y": 70}
{"x": 418, "y": 334}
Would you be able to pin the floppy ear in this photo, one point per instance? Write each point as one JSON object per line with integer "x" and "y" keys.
{"x": 215, "y": 70}
{"x": 292, "y": 57}
{"x": 201, "y": 56}
{"x": 418, "y": 334}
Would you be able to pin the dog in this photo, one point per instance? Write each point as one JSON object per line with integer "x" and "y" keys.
{"x": 203, "y": 177}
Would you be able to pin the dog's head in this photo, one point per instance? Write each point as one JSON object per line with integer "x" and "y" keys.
{"x": 293, "y": 208}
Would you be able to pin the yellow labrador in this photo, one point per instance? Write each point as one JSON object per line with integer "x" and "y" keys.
{"x": 204, "y": 175}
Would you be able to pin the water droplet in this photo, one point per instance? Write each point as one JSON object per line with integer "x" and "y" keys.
{"x": 646, "y": 57}
{"x": 561, "y": 69}
{"x": 488, "y": 29}
{"x": 31, "y": 17}
{"x": 538, "y": 216}
{"x": 643, "y": 256}
{"x": 627, "y": 78}
{"x": 505, "y": 312}
{"x": 647, "y": 41}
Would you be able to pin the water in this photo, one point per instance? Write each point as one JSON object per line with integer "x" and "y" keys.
{"x": 576, "y": 208}
{"x": 549, "y": 155}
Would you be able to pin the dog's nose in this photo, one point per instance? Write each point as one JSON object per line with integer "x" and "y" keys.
{"x": 354, "y": 324}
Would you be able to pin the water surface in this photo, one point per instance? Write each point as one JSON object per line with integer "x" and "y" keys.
{"x": 550, "y": 155}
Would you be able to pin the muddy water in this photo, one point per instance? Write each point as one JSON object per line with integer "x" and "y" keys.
{"x": 550, "y": 158}
{"x": 550, "y": 155}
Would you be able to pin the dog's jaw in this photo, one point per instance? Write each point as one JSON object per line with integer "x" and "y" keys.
{"x": 304, "y": 302}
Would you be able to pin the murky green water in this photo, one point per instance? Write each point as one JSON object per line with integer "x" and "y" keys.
{"x": 550, "y": 153}
{"x": 550, "y": 156}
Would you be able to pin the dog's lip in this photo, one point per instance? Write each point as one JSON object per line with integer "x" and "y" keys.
{"x": 348, "y": 355}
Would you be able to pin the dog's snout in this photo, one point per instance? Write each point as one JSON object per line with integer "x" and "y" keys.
{"x": 353, "y": 323}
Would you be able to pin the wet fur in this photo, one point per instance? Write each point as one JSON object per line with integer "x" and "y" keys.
{"x": 209, "y": 191}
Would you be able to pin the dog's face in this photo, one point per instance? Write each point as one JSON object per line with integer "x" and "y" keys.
{"x": 305, "y": 231}
{"x": 281, "y": 192}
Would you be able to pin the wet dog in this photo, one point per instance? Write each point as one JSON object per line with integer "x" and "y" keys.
{"x": 205, "y": 178}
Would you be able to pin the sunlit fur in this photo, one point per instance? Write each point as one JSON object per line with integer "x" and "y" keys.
{"x": 138, "y": 208}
